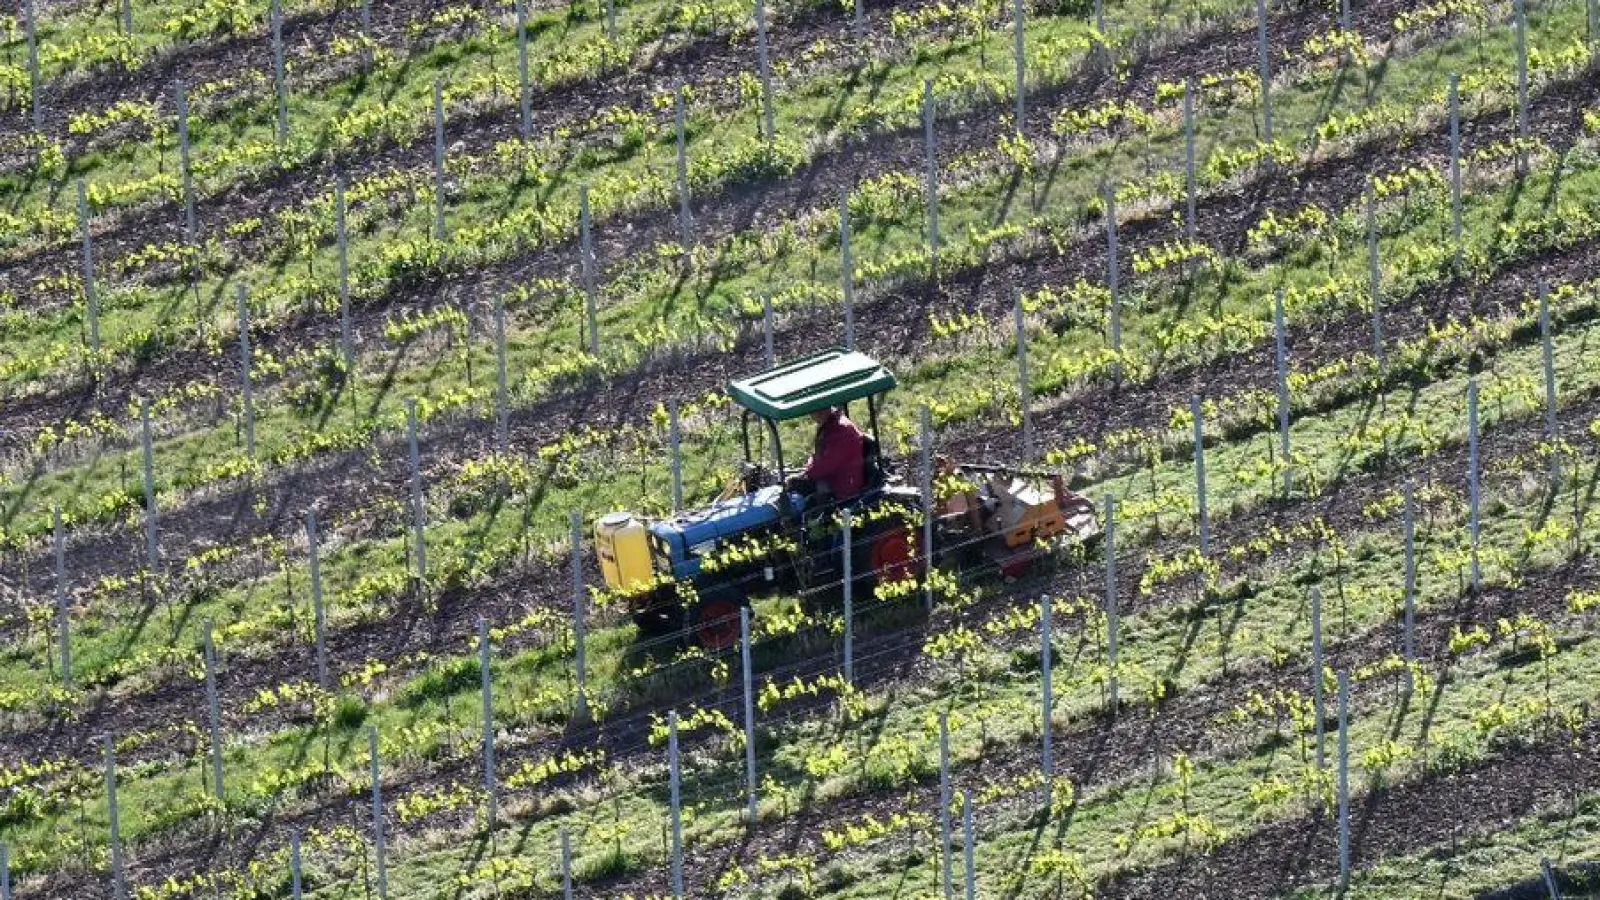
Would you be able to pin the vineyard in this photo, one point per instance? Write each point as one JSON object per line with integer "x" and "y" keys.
{"x": 330, "y": 329}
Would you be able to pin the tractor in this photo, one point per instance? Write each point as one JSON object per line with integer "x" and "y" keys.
{"x": 692, "y": 572}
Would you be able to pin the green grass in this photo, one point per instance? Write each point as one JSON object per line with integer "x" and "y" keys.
{"x": 544, "y": 674}
{"x": 286, "y": 433}
{"x": 462, "y": 548}
{"x": 435, "y": 712}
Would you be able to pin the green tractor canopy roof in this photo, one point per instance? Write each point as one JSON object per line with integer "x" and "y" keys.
{"x": 830, "y": 378}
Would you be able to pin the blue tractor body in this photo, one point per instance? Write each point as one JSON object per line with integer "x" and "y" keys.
{"x": 688, "y": 536}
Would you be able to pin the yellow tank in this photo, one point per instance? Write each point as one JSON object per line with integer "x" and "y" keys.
{"x": 623, "y": 544}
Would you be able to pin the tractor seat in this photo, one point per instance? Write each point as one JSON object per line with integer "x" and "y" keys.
{"x": 875, "y": 472}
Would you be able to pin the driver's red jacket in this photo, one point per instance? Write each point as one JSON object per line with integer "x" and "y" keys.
{"x": 840, "y": 458}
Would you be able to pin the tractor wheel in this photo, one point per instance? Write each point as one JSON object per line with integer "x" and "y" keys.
{"x": 888, "y": 554}
{"x": 714, "y": 621}
{"x": 891, "y": 555}
{"x": 659, "y": 620}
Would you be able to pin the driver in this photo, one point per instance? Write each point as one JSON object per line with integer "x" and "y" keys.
{"x": 838, "y": 461}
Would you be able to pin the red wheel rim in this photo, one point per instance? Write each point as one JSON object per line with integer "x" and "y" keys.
{"x": 717, "y": 625}
{"x": 892, "y": 558}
